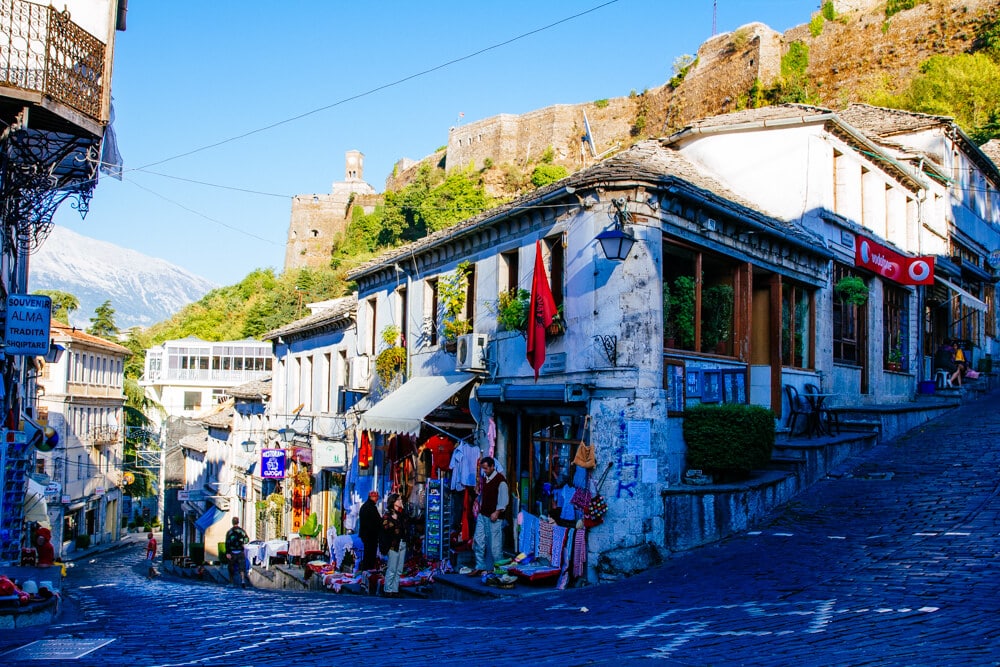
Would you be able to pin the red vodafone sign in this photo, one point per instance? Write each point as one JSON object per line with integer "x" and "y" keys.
{"x": 893, "y": 266}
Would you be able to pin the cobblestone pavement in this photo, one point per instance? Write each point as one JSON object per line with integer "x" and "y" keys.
{"x": 892, "y": 561}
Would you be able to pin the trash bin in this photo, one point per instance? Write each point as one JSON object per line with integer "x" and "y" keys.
{"x": 197, "y": 553}
{"x": 925, "y": 387}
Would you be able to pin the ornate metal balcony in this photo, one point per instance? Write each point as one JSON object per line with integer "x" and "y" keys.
{"x": 43, "y": 51}
{"x": 103, "y": 435}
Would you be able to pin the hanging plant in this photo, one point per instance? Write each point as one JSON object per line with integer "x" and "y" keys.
{"x": 452, "y": 291}
{"x": 852, "y": 290}
{"x": 390, "y": 364}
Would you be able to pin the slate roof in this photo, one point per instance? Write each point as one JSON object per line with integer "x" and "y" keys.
{"x": 220, "y": 419}
{"x": 879, "y": 122}
{"x": 648, "y": 161}
{"x": 252, "y": 389}
{"x": 992, "y": 150}
{"x": 340, "y": 309}
{"x": 761, "y": 115}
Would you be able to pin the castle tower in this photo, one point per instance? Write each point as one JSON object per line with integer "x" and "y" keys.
{"x": 317, "y": 219}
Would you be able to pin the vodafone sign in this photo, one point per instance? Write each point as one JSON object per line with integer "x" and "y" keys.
{"x": 893, "y": 266}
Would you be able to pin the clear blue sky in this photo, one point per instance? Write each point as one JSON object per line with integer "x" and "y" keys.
{"x": 189, "y": 74}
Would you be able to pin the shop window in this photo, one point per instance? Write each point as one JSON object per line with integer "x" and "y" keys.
{"x": 699, "y": 313}
{"x": 896, "y": 331}
{"x": 796, "y": 326}
{"x": 545, "y": 461}
{"x": 846, "y": 332}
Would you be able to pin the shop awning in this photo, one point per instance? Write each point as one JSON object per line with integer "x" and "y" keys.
{"x": 404, "y": 410}
{"x": 211, "y": 515}
{"x": 35, "y": 507}
{"x": 967, "y": 299}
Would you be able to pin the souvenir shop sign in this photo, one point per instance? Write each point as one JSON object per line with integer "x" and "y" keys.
{"x": 29, "y": 317}
{"x": 893, "y": 266}
{"x": 272, "y": 464}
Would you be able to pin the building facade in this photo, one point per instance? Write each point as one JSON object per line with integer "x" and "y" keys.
{"x": 81, "y": 396}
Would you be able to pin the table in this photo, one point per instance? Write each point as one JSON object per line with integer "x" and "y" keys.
{"x": 815, "y": 424}
{"x": 271, "y": 549}
{"x": 254, "y": 552}
{"x": 298, "y": 546}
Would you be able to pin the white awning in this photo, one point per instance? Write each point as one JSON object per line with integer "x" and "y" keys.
{"x": 968, "y": 300}
{"x": 404, "y": 410}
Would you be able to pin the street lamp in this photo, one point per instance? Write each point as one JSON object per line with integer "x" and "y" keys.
{"x": 249, "y": 446}
{"x": 616, "y": 242}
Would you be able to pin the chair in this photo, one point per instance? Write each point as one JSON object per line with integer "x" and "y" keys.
{"x": 823, "y": 414}
{"x": 796, "y": 407}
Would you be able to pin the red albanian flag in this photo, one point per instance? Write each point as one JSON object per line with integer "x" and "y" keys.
{"x": 542, "y": 310}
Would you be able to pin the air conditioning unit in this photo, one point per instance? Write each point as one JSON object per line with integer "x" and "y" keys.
{"x": 470, "y": 354}
{"x": 359, "y": 374}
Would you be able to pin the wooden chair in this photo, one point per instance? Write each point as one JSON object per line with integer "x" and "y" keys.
{"x": 796, "y": 407}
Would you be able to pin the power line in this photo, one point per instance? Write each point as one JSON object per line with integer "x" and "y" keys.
{"x": 212, "y": 185}
{"x": 379, "y": 88}
{"x": 201, "y": 215}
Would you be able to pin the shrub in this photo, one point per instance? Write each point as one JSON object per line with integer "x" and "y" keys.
{"x": 547, "y": 173}
{"x": 601, "y": 103}
{"x": 728, "y": 440}
{"x": 828, "y": 11}
{"x": 682, "y": 65}
{"x": 487, "y": 163}
{"x": 816, "y": 25}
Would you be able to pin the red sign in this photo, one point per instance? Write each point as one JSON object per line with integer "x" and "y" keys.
{"x": 890, "y": 264}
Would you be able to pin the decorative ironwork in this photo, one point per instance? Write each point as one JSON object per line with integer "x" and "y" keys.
{"x": 609, "y": 344}
{"x": 44, "y": 51}
{"x": 103, "y": 435}
{"x": 38, "y": 171}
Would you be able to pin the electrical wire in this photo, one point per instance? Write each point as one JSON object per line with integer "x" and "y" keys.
{"x": 381, "y": 87}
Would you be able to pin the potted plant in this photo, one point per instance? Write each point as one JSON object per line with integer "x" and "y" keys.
{"x": 669, "y": 330}
{"x": 852, "y": 290}
{"x": 682, "y": 308}
{"x": 558, "y": 325}
{"x": 390, "y": 363}
{"x": 512, "y": 310}
{"x": 452, "y": 291}
{"x": 895, "y": 362}
{"x": 717, "y": 319}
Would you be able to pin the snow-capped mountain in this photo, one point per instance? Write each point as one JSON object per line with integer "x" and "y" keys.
{"x": 143, "y": 290}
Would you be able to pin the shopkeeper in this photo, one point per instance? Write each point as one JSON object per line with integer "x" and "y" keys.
{"x": 489, "y": 524}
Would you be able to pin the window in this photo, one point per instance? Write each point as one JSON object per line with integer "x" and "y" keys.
{"x": 404, "y": 314}
{"x": 431, "y": 311}
{"x": 989, "y": 296}
{"x": 557, "y": 268}
{"x": 508, "y": 273}
{"x": 796, "y": 326}
{"x": 846, "y": 343}
{"x": 470, "y": 295}
{"x": 896, "y": 332}
{"x": 698, "y": 300}
{"x": 370, "y": 323}
{"x": 192, "y": 400}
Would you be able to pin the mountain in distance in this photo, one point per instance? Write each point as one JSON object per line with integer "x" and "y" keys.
{"x": 143, "y": 290}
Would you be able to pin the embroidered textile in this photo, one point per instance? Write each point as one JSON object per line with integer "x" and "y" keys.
{"x": 545, "y": 541}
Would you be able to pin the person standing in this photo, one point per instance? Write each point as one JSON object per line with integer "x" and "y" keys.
{"x": 369, "y": 526}
{"x": 493, "y": 501}
{"x": 392, "y": 542}
{"x": 150, "y": 554}
{"x": 236, "y": 538}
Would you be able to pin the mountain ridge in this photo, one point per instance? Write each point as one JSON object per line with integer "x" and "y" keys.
{"x": 143, "y": 290}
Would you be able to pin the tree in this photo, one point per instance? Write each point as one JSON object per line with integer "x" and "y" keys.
{"x": 63, "y": 303}
{"x": 102, "y": 324}
{"x": 964, "y": 86}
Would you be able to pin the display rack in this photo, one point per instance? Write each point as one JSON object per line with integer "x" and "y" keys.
{"x": 437, "y": 540}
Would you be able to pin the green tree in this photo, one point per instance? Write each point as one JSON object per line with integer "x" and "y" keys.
{"x": 964, "y": 86}
{"x": 102, "y": 324}
{"x": 63, "y": 303}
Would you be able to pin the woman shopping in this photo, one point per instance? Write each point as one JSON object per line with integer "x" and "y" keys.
{"x": 392, "y": 542}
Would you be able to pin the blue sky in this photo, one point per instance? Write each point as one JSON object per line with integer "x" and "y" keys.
{"x": 192, "y": 75}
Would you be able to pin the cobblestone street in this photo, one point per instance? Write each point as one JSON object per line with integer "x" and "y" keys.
{"x": 892, "y": 561}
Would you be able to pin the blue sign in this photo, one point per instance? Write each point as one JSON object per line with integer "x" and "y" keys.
{"x": 272, "y": 464}
{"x": 26, "y": 331}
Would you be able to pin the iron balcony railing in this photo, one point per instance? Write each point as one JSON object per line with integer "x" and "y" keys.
{"x": 42, "y": 50}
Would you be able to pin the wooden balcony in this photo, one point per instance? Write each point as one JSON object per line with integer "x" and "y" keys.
{"x": 53, "y": 67}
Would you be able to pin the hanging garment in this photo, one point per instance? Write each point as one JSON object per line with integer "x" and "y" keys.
{"x": 558, "y": 545}
{"x": 441, "y": 449}
{"x": 545, "y": 540}
{"x": 579, "y": 553}
{"x": 565, "y": 498}
{"x": 365, "y": 451}
{"x": 528, "y": 542}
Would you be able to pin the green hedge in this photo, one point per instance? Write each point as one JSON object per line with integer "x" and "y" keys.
{"x": 728, "y": 440}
